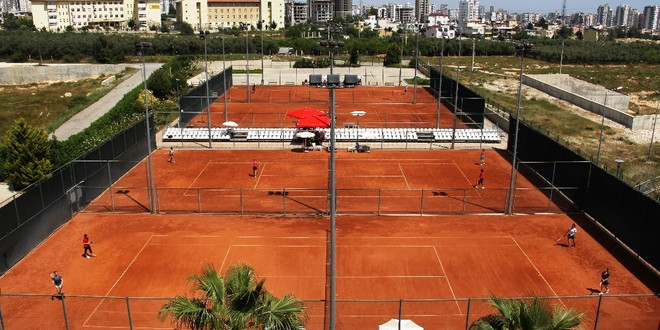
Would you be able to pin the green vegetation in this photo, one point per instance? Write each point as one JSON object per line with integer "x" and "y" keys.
{"x": 26, "y": 155}
{"x": 237, "y": 300}
{"x": 521, "y": 314}
{"x": 567, "y": 127}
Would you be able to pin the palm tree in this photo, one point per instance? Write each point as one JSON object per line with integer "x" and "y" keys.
{"x": 236, "y": 301}
{"x": 520, "y": 314}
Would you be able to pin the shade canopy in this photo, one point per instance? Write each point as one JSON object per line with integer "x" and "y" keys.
{"x": 306, "y": 112}
{"x": 314, "y": 122}
{"x": 305, "y": 135}
{"x": 393, "y": 324}
{"x": 230, "y": 124}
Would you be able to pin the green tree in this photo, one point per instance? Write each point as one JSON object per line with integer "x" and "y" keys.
{"x": 186, "y": 29}
{"x": 520, "y": 314}
{"x": 131, "y": 24}
{"x": 237, "y": 300}
{"x": 354, "y": 59}
{"x": 171, "y": 10}
{"x": 393, "y": 55}
{"x": 273, "y": 25}
{"x": 160, "y": 82}
{"x": 27, "y": 154}
{"x": 564, "y": 32}
{"x": 542, "y": 23}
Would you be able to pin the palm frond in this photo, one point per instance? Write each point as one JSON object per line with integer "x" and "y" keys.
{"x": 285, "y": 313}
{"x": 190, "y": 313}
{"x": 565, "y": 318}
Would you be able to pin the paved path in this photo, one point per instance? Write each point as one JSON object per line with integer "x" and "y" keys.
{"x": 86, "y": 117}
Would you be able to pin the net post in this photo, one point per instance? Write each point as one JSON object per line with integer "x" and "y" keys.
{"x": 284, "y": 200}
{"x": 467, "y": 314}
{"x": 421, "y": 206}
{"x": 379, "y": 198}
{"x": 2, "y": 322}
{"x": 112, "y": 196}
{"x": 199, "y": 200}
{"x": 552, "y": 184}
{"x": 66, "y": 321}
{"x": 240, "y": 193}
{"x": 400, "y": 312}
{"x": 128, "y": 310}
{"x": 464, "y": 201}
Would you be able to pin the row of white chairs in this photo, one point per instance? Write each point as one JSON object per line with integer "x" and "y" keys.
{"x": 341, "y": 134}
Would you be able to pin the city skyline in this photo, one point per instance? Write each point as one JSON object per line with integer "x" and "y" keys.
{"x": 519, "y": 6}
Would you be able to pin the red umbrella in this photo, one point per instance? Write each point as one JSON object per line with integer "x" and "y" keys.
{"x": 313, "y": 122}
{"x": 305, "y": 113}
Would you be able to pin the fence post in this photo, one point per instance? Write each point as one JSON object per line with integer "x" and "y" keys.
{"x": 199, "y": 200}
{"x": 464, "y": 200}
{"x": 379, "y": 196}
{"x": 66, "y": 322}
{"x": 400, "y": 311}
{"x": 128, "y": 309}
{"x": 467, "y": 315}
{"x": 421, "y": 207}
{"x": 284, "y": 200}
{"x": 552, "y": 185}
{"x": 240, "y": 193}
{"x": 600, "y": 302}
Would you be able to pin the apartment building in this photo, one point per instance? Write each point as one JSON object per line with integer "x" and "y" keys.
{"x": 57, "y": 15}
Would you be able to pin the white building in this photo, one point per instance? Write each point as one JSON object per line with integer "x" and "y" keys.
{"x": 57, "y": 15}
{"x": 651, "y": 21}
{"x": 422, "y": 8}
{"x": 468, "y": 10}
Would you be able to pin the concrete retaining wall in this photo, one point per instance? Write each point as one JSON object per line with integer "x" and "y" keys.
{"x": 589, "y": 97}
{"x": 17, "y": 74}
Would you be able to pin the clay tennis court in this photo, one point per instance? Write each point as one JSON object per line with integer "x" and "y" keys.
{"x": 418, "y": 258}
{"x": 385, "y": 107}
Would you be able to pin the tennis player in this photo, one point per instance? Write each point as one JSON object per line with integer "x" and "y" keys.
{"x": 605, "y": 281}
{"x": 86, "y": 245}
{"x": 570, "y": 235}
{"x": 255, "y": 165}
{"x": 57, "y": 281}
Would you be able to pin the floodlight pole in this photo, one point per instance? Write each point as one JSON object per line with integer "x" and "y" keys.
{"x": 416, "y": 67}
{"x": 522, "y": 47}
{"x": 247, "y": 61}
{"x": 262, "y": 52}
{"x": 561, "y": 58}
{"x": 224, "y": 75}
{"x": 203, "y": 35}
{"x": 141, "y": 48}
{"x": 458, "y": 75}
{"x": 401, "y": 60}
{"x": 655, "y": 119}
{"x": 442, "y": 51}
{"x": 602, "y": 125}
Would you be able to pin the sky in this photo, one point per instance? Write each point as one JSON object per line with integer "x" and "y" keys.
{"x": 542, "y": 7}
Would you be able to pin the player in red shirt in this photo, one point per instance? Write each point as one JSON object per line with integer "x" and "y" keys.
{"x": 86, "y": 245}
{"x": 482, "y": 175}
{"x": 255, "y": 164}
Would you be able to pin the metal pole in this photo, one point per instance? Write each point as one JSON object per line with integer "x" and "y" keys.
{"x": 66, "y": 321}
{"x": 600, "y": 303}
{"x": 467, "y": 316}
{"x": 247, "y": 62}
{"x": 224, "y": 75}
{"x": 561, "y": 58}
{"x": 442, "y": 51}
{"x": 401, "y": 61}
{"x": 602, "y": 125}
{"x": 400, "y": 312}
{"x": 473, "y": 44}
{"x": 458, "y": 75}
{"x": 655, "y": 119}
{"x": 141, "y": 47}
{"x": 333, "y": 207}
{"x": 416, "y": 67}
{"x": 262, "y": 53}
{"x": 206, "y": 73}
{"x": 128, "y": 310}
{"x": 522, "y": 48}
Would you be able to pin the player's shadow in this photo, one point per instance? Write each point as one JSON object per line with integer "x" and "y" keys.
{"x": 57, "y": 296}
{"x": 562, "y": 245}
{"x": 593, "y": 291}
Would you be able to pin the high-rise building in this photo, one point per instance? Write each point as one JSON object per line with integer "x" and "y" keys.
{"x": 621, "y": 15}
{"x": 604, "y": 15}
{"x": 468, "y": 10}
{"x": 421, "y": 10}
{"x": 651, "y": 20}
{"x": 321, "y": 10}
{"x": 343, "y": 8}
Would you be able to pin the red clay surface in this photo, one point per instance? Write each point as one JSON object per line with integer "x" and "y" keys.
{"x": 378, "y": 257}
{"x": 385, "y": 107}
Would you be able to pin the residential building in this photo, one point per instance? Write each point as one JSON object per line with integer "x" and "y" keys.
{"x": 405, "y": 14}
{"x": 621, "y": 15}
{"x": 295, "y": 12}
{"x": 604, "y": 15}
{"x": 651, "y": 20}
{"x": 57, "y": 15}
{"x": 421, "y": 9}
{"x": 321, "y": 10}
{"x": 343, "y": 8}
{"x": 468, "y": 10}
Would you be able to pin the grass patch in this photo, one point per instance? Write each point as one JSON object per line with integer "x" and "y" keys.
{"x": 242, "y": 71}
{"x": 420, "y": 81}
{"x": 44, "y": 105}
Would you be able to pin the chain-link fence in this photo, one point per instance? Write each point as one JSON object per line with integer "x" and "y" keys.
{"x": 39, "y": 311}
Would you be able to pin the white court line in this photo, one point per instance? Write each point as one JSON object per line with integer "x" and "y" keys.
{"x": 185, "y": 193}
{"x": 537, "y": 270}
{"x": 396, "y": 276}
{"x": 447, "y": 279}
{"x": 216, "y": 236}
{"x": 118, "y": 279}
{"x": 261, "y": 171}
{"x": 404, "y": 176}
